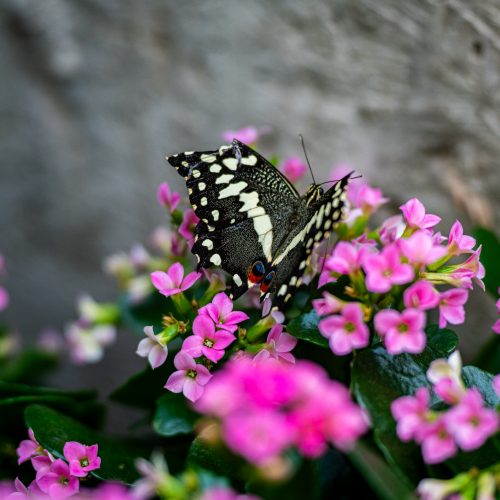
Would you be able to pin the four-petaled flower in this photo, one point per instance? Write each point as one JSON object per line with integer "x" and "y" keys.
{"x": 369, "y": 199}
{"x": 420, "y": 249}
{"x": 412, "y": 414}
{"x": 278, "y": 345}
{"x": 421, "y": 295}
{"x": 220, "y": 311}
{"x": 57, "y": 481}
{"x": 81, "y": 458}
{"x": 451, "y": 306}
{"x": 458, "y": 242}
{"x": 186, "y": 229}
{"x": 153, "y": 347}
{"x": 247, "y": 135}
{"x": 173, "y": 281}
{"x": 437, "y": 441}
{"x": 415, "y": 216}
{"x": 167, "y": 197}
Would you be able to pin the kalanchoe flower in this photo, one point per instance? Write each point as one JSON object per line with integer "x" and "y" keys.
{"x": 206, "y": 340}
{"x": 167, "y": 197}
{"x": 346, "y": 331}
{"x": 224, "y": 493}
{"x": 168, "y": 242}
{"x": 110, "y": 491}
{"x": 451, "y": 307}
{"x": 415, "y": 216}
{"x": 29, "y": 448}
{"x": 87, "y": 344}
{"x": 496, "y": 384}
{"x": 401, "y": 332}
{"x": 437, "y": 442}
{"x": 293, "y": 168}
{"x": 329, "y": 304}
{"x": 420, "y": 249}
{"x": 4, "y": 298}
{"x": 186, "y": 229}
{"x": 81, "y": 458}
{"x": 439, "y": 489}
{"x": 385, "y": 269}
{"x": 368, "y": 199}
{"x": 421, "y": 295}
{"x": 190, "y": 378}
{"x": 391, "y": 229}
{"x": 173, "y": 281}
{"x": 411, "y": 414}
{"x": 247, "y": 135}
{"x": 446, "y": 376}
{"x": 345, "y": 259}
{"x": 154, "y": 476}
{"x": 153, "y": 347}
{"x": 58, "y": 482}
{"x": 458, "y": 243}
{"x": 220, "y": 311}
{"x": 278, "y": 345}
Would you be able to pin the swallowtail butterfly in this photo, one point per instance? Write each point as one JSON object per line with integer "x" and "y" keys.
{"x": 253, "y": 222}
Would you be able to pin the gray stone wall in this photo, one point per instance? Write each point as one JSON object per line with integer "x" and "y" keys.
{"x": 94, "y": 93}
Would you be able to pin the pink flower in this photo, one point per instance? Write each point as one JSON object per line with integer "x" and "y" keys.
{"x": 111, "y": 491}
{"x": 412, "y": 414}
{"x": 206, "y": 340}
{"x": 29, "y": 448}
{"x": 496, "y": 326}
{"x": 420, "y": 249}
{"x": 446, "y": 377}
{"x": 168, "y": 198}
{"x": 391, "y": 229}
{"x": 173, "y": 282}
{"x": 58, "y": 481}
{"x": 385, "y": 269}
{"x": 293, "y": 168}
{"x": 190, "y": 378}
{"x": 86, "y": 344}
{"x": 247, "y": 135}
{"x": 153, "y": 347}
{"x": 81, "y": 458}
{"x": 470, "y": 422}
{"x": 415, "y": 216}
{"x": 329, "y": 304}
{"x": 258, "y": 437}
{"x": 421, "y": 295}
{"x": 401, "y": 332}
{"x": 278, "y": 345}
{"x": 345, "y": 259}
{"x": 459, "y": 243}
{"x": 220, "y": 311}
{"x": 154, "y": 475}
{"x": 451, "y": 307}
{"x": 496, "y": 384}
{"x": 437, "y": 442}
{"x": 369, "y": 199}
{"x": 346, "y": 331}
{"x": 4, "y": 298}
{"x": 186, "y": 229}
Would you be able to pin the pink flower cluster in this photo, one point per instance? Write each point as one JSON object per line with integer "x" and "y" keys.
{"x": 213, "y": 332}
{"x": 466, "y": 424}
{"x": 403, "y": 273}
{"x": 4, "y": 296}
{"x": 266, "y": 407}
{"x": 55, "y": 478}
{"x": 496, "y": 325}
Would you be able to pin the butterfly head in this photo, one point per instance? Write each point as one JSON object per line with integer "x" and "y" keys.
{"x": 313, "y": 194}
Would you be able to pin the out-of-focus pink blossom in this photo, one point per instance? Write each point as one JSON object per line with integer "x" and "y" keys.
{"x": 420, "y": 249}
{"x": 438, "y": 489}
{"x": 415, "y": 216}
{"x": 224, "y": 493}
{"x": 167, "y": 197}
{"x": 412, "y": 414}
{"x": 29, "y": 448}
{"x": 154, "y": 476}
{"x": 451, "y": 307}
{"x": 167, "y": 241}
{"x": 188, "y": 224}
{"x": 437, "y": 442}
{"x": 278, "y": 345}
{"x": 401, "y": 332}
{"x": 329, "y": 304}
{"x": 4, "y": 298}
{"x": 86, "y": 344}
{"x": 206, "y": 340}
{"x": 496, "y": 384}
{"x": 82, "y": 459}
{"x": 220, "y": 311}
{"x": 385, "y": 269}
{"x": 153, "y": 347}
{"x": 421, "y": 295}
{"x": 346, "y": 331}
{"x": 190, "y": 378}
{"x": 110, "y": 491}
{"x": 58, "y": 482}
{"x": 391, "y": 229}
{"x": 459, "y": 243}
{"x": 293, "y": 168}
{"x": 173, "y": 281}
{"x": 446, "y": 377}
{"x": 247, "y": 135}
{"x": 368, "y": 199}
{"x": 471, "y": 269}
{"x": 470, "y": 422}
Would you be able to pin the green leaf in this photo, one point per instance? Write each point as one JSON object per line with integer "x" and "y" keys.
{"x": 378, "y": 378}
{"x": 489, "y": 258}
{"x": 53, "y": 429}
{"x": 11, "y": 389}
{"x": 474, "y": 377}
{"x": 173, "y": 415}
{"x": 148, "y": 312}
{"x": 215, "y": 458}
{"x": 29, "y": 367}
{"x": 305, "y": 327}
{"x": 489, "y": 356}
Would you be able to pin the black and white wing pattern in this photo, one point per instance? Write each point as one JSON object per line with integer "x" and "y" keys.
{"x": 253, "y": 223}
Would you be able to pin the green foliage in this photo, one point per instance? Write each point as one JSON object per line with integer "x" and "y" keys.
{"x": 173, "y": 415}
{"x": 489, "y": 258}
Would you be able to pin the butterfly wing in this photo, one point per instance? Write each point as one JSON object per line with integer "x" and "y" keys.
{"x": 244, "y": 204}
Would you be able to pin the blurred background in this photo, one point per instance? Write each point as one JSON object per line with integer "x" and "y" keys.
{"x": 94, "y": 94}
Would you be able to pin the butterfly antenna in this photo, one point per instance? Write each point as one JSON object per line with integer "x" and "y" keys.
{"x": 307, "y": 159}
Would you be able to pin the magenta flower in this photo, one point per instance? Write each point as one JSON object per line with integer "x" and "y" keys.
{"x": 42, "y": 463}
{"x": 81, "y": 458}
{"x": 168, "y": 198}
{"x": 173, "y": 281}
{"x": 293, "y": 168}
{"x": 278, "y": 346}
{"x": 420, "y": 249}
{"x": 470, "y": 422}
{"x": 446, "y": 377}
{"x": 459, "y": 243}
{"x": 190, "y": 378}
{"x": 153, "y": 347}
{"x": 206, "y": 340}
{"x": 385, "y": 269}
{"x": 186, "y": 229}
{"x": 401, "y": 332}
{"x": 346, "y": 331}
{"x": 58, "y": 482}
{"x": 220, "y": 311}
{"x": 329, "y": 304}
{"x": 496, "y": 384}
{"x": 4, "y": 298}
{"x": 29, "y": 448}
{"x": 421, "y": 295}
{"x": 437, "y": 442}
{"x": 247, "y": 135}
{"x": 369, "y": 199}
{"x": 391, "y": 229}
{"x": 451, "y": 307}
{"x": 411, "y": 414}
{"x": 415, "y": 216}
{"x": 496, "y": 326}
{"x": 346, "y": 258}
{"x": 111, "y": 491}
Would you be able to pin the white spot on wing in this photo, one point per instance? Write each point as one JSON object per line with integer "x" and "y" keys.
{"x": 204, "y": 202}
{"x": 282, "y": 290}
{"x": 215, "y": 215}
{"x": 202, "y": 186}
{"x": 249, "y": 200}
{"x": 230, "y": 163}
{"x": 196, "y": 174}
{"x": 232, "y": 190}
{"x": 237, "y": 280}
{"x": 224, "y": 179}
{"x": 250, "y": 160}
{"x": 215, "y": 168}
{"x": 208, "y": 158}
{"x": 215, "y": 259}
{"x": 208, "y": 243}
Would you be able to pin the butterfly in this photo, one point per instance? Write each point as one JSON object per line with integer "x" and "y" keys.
{"x": 253, "y": 222}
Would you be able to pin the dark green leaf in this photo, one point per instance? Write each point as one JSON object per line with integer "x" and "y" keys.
{"x": 148, "y": 312}
{"x": 214, "y": 458}
{"x": 173, "y": 415}
{"x": 29, "y": 367}
{"x": 489, "y": 258}
{"x": 305, "y": 327}
{"x": 474, "y": 377}
{"x": 489, "y": 356}
{"x": 10, "y": 389}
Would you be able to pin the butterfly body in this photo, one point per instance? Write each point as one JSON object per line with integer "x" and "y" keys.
{"x": 251, "y": 214}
